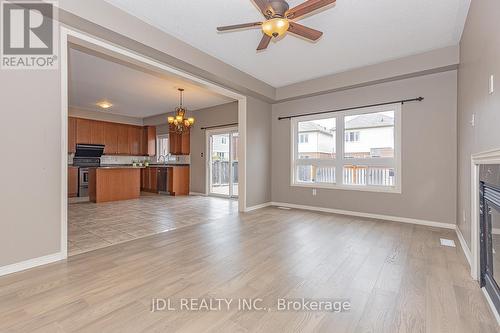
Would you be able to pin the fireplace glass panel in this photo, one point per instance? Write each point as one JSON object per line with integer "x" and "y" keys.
{"x": 495, "y": 242}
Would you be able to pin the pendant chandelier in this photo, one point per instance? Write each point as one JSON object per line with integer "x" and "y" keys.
{"x": 179, "y": 123}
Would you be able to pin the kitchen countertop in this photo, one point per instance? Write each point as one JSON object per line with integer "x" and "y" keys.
{"x": 129, "y": 166}
{"x": 119, "y": 167}
{"x": 168, "y": 165}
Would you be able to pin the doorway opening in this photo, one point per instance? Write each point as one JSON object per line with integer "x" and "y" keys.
{"x": 72, "y": 39}
{"x": 222, "y": 162}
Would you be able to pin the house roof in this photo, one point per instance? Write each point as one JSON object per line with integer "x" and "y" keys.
{"x": 309, "y": 126}
{"x": 370, "y": 120}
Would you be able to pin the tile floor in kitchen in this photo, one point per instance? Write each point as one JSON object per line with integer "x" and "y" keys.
{"x": 92, "y": 226}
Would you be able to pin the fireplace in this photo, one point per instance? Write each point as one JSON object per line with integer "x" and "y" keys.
{"x": 489, "y": 210}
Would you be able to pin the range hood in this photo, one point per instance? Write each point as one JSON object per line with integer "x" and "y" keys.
{"x": 83, "y": 150}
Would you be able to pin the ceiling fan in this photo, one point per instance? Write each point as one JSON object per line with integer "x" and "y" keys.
{"x": 280, "y": 19}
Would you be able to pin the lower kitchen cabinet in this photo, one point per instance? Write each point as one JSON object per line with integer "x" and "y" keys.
{"x": 149, "y": 179}
{"x": 178, "y": 180}
{"x": 72, "y": 182}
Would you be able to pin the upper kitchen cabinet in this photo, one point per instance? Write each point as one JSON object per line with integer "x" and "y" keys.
{"x": 118, "y": 139}
{"x": 71, "y": 135}
{"x": 97, "y": 133}
{"x": 123, "y": 145}
{"x": 110, "y": 138}
{"x": 179, "y": 142}
{"x": 83, "y": 131}
{"x": 148, "y": 144}
{"x": 186, "y": 142}
{"x": 135, "y": 140}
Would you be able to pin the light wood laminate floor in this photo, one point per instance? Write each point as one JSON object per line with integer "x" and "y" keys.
{"x": 396, "y": 276}
{"x": 93, "y": 226}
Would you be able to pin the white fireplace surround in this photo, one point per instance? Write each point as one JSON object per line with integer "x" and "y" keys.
{"x": 489, "y": 157}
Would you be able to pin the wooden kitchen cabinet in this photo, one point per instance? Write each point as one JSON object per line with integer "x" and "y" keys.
{"x": 72, "y": 182}
{"x": 179, "y": 142}
{"x": 119, "y": 139}
{"x": 185, "y": 143}
{"x": 110, "y": 138}
{"x": 123, "y": 145}
{"x": 71, "y": 135}
{"x": 178, "y": 180}
{"x": 149, "y": 180}
{"x": 83, "y": 131}
{"x": 97, "y": 133}
{"x": 134, "y": 140}
{"x": 148, "y": 141}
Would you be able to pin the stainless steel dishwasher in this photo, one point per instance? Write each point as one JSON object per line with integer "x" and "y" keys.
{"x": 162, "y": 180}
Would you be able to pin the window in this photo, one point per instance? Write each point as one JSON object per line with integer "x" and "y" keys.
{"x": 351, "y": 136}
{"x": 223, "y": 140}
{"x": 162, "y": 147}
{"x": 357, "y": 149}
{"x": 315, "y": 154}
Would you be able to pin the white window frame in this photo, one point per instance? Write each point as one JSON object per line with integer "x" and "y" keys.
{"x": 340, "y": 161}
{"x": 158, "y": 138}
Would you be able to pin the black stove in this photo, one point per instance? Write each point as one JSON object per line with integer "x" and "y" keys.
{"x": 86, "y": 156}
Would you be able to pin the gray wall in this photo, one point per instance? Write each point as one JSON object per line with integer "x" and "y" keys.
{"x": 214, "y": 116}
{"x": 479, "y": 58}
{"x": 30, "y": 194}
{"x": 258, "y": 152}
{"x": 429, "y": 144}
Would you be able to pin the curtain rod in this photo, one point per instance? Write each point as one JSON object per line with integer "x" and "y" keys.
{"x": 218, "y": 126}
{"x": 418, "y": 99}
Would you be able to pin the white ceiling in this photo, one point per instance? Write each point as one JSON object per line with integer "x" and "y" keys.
{"x": 132, "y": 92}
{"x": 357, "y": 33}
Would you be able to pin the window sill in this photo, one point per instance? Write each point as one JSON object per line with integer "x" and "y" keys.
{"x": 381, "y": 189}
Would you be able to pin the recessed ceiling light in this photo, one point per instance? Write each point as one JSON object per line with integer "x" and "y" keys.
{"x": 104, "y": 104}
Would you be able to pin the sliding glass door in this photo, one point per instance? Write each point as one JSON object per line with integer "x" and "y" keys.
{"x": 223, "y": 163}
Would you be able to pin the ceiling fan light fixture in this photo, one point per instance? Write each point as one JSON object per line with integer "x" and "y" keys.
{"x": 275, "y": 27}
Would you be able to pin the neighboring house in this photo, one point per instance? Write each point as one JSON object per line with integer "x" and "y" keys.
{"x": 220, "y": 147}
{"x": 220, "y": 150}
{"x": 315, "y": 141}
{"x": 369, "y": 135}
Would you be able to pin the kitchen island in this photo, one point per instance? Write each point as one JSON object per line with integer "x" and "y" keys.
{"x": 114, "y": 183}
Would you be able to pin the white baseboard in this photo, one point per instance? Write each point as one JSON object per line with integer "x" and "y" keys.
{"x": 492, "y": 306}
{"x": 27, "y": 264}
{"x": 197, "y": 193}
{"x": 264, "y": 205}
{"x": 368, "y": 215}
{"x": 463, "y": 244}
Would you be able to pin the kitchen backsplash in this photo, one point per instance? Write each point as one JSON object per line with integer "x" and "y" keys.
{"x": 109, "y": 159}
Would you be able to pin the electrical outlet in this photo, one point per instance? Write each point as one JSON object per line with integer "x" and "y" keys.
{"x": 314, "y": 192}
{"x": 492, "y": 84}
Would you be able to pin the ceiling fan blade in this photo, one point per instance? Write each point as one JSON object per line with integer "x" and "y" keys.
{"x": 264, "y": 42}
{"x": 304, "y": 31}
{"x": 306, "y": 8}
{"x": 263, "y": 6}
{"x": 239, "y": 26}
